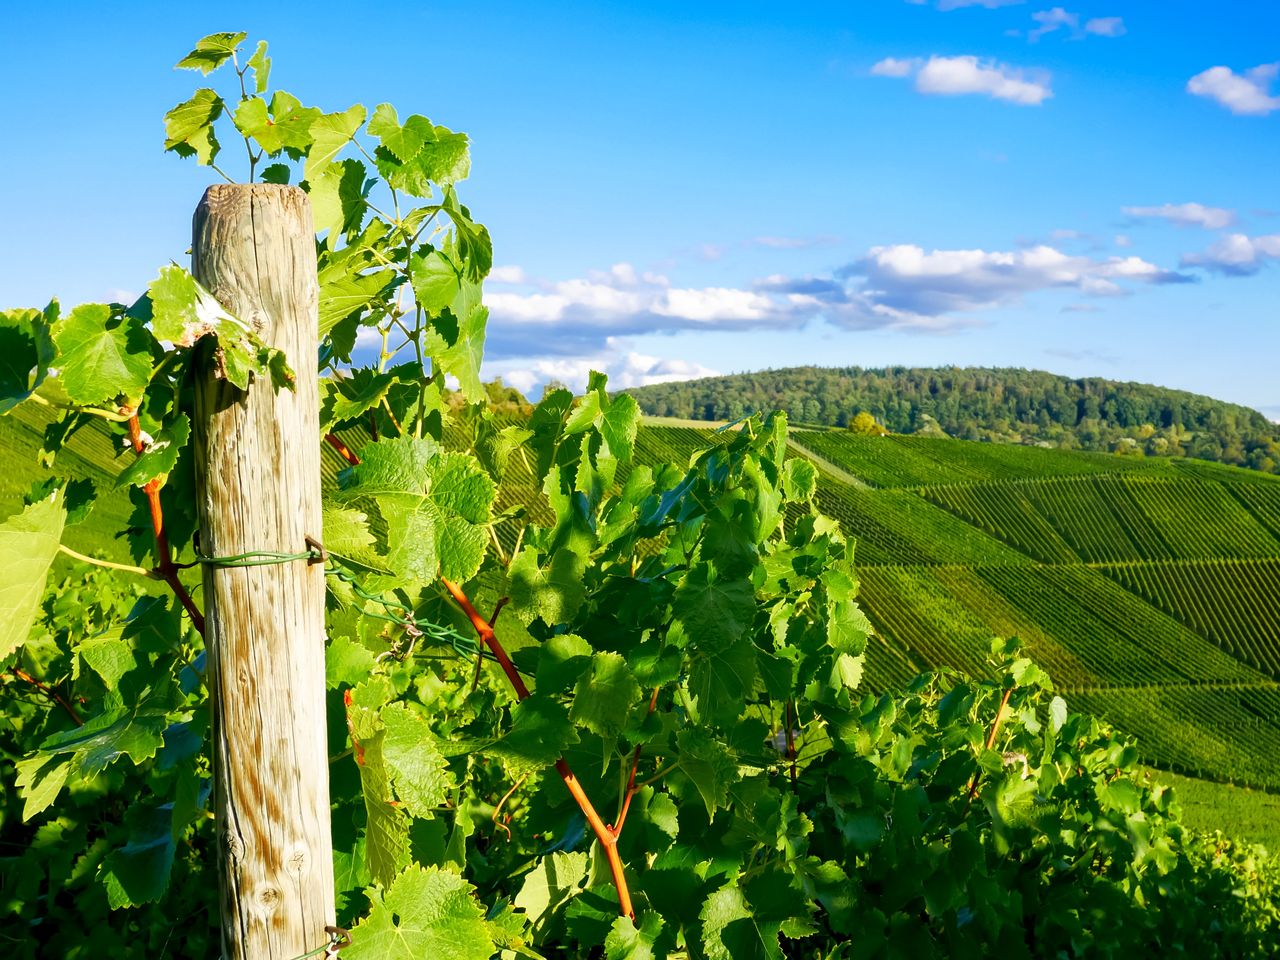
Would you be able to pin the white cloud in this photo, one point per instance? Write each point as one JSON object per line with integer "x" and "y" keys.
{"x": 1051, "y": 20}
{"x": 1237, "y": 254}
{"x": 953, "y": 76}
{"x": 625, "y": 368}
{"x": 506, "y": 275}
{"x": 906, "y": 278}
{"x": 893, "y": 67}
{"x": 1186, "y": 215}
{"x": 1106, "y": 26}
{"x": 1123, "y": 240}
{"x": 1245, "y": 94}
{"x": 899, "y": 286}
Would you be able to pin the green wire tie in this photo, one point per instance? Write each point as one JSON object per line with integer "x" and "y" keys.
{"x": 396, "y": 612}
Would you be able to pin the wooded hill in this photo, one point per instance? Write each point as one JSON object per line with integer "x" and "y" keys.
{"x": 1008, "y": 405}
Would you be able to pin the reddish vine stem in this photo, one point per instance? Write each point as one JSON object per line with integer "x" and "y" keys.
{"x": 49, "y": 692}
{"x": 484, "y": 629}
{"x": 631, "y": 780}
{"x": 167, "y": 569}
{"x": 343, "y": 450}
{"x": 607, "y": 838}
{"x": 991, "y": 737}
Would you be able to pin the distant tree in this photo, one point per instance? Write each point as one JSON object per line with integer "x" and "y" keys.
{"x": 865, "y": 423}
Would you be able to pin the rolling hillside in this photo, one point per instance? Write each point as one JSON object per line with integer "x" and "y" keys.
{"x": 1149, "y": 588}
{"x": 1001, "y": 404}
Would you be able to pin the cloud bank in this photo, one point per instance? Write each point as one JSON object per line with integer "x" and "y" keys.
{"x": 1246, "y": 94}
{"x": 958, "y": 76}
{"x": 1237, "y": 255}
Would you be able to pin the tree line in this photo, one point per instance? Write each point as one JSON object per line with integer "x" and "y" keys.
{"x": 1004, "y": 405}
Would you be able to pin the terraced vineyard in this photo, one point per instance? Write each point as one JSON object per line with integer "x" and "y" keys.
{"x": 1149, "y": 588}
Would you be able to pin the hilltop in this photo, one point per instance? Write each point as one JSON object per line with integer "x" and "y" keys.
{"x": 1007, "y": 405}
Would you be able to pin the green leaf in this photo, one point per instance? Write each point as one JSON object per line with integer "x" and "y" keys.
{"x": 435, "y": 280}
{"x": 847, "y": 627}
{"x": 330, "y": 133}
{"x": 721, "y": 678}
{"x": 604, "y": 696}
{"x": 552, "y": 593}
{"x": 40, "y": 779}
{"x": 102, "y": 355}
{"x": 1057, "y": 713}
{"x": 713, "y": 612}
{"x": 260, "y": 64}
{"x": 552, "y": 882}
{"x": 108, "y": 737}
{"x": 337, "y": 201}
{"x": 348, "y": 538}
{"x": 188, "y": 127}
{"x": 212, "y": 52}
{"x": 109, "y": 656}
{"x": 356, "y": 396}
{"x": 563, "y": 658}
{"x": 419, "y": 772}
{"x": 540, "y": 732}
{"x": 414, "y": 156}
{"x": 26, "y": 350}
{"x": 160, "y": 456}
{"x": 626, "y": 941}
{"x": 426, "y": 912}
{"x": 434, "y": 507}
{"x": 28, "y": 543}
{"x": 731, "y": 932}
{"x": 139, "y": 872}
{"x": 347, "y": 663}
{"x": 709, "y": 764}
{"x": 800, "y": 479}
{"x": 618, "y": 425}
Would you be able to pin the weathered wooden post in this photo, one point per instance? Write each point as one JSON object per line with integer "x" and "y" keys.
{"x": 258, "y": 482}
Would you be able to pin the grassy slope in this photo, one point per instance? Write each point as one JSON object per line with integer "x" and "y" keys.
{"x": 938, "y": 583}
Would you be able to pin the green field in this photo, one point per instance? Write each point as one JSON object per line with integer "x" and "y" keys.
{"x": 1149, "y": 589}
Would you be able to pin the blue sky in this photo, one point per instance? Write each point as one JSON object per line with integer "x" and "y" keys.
{"x": 675, "y": 189}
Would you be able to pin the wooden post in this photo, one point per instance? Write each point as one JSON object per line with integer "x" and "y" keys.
{"x": 258, "y": 489}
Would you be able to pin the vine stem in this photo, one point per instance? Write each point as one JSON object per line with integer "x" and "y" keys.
{"x": 140, "y": 571}
{"x": 991, "y": 737}
{"x": 167, "y": 570}
{"x": 607, "y": 838}
{"x": 631, "y": 780}
{"x": 484, "y": 629}
{"x": 49, "y": 692}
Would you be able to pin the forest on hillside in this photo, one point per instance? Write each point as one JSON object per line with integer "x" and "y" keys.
{"x": 1008, "y": 405}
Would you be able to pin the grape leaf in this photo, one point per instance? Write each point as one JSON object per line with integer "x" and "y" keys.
{"x": 554, "y": 592}
{"x": 604, "y": 695}
{"x": 330, "y": 133}
{"x": 709, "y": 764}
{"x": 28, "y": 543}
{"x": 418, "y": 771}
{"x": 337, "y": 203}
{"x": 552, "y": 882}
{"x": 160, "y": 456}
{"x": 426, "y": 912}
{"x": 713, "y": 612}
{"x": 26, "y": 350}
{"x": 721, "y": 677}
{"x": 540, "y": 732}
{"x": 626, "y": 941}
{"x": 139, "y": 872}
{"x": 40, "y": 778}
{"x": 260, "y": 64}
{"x": 188, "y": 127}
{"x": 211, "y": 52}
{"x": 731, "y": 932}
{"x": 102, "y": 355}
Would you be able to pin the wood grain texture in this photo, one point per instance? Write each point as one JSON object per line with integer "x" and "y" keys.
{"x": 258, "y": 488}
